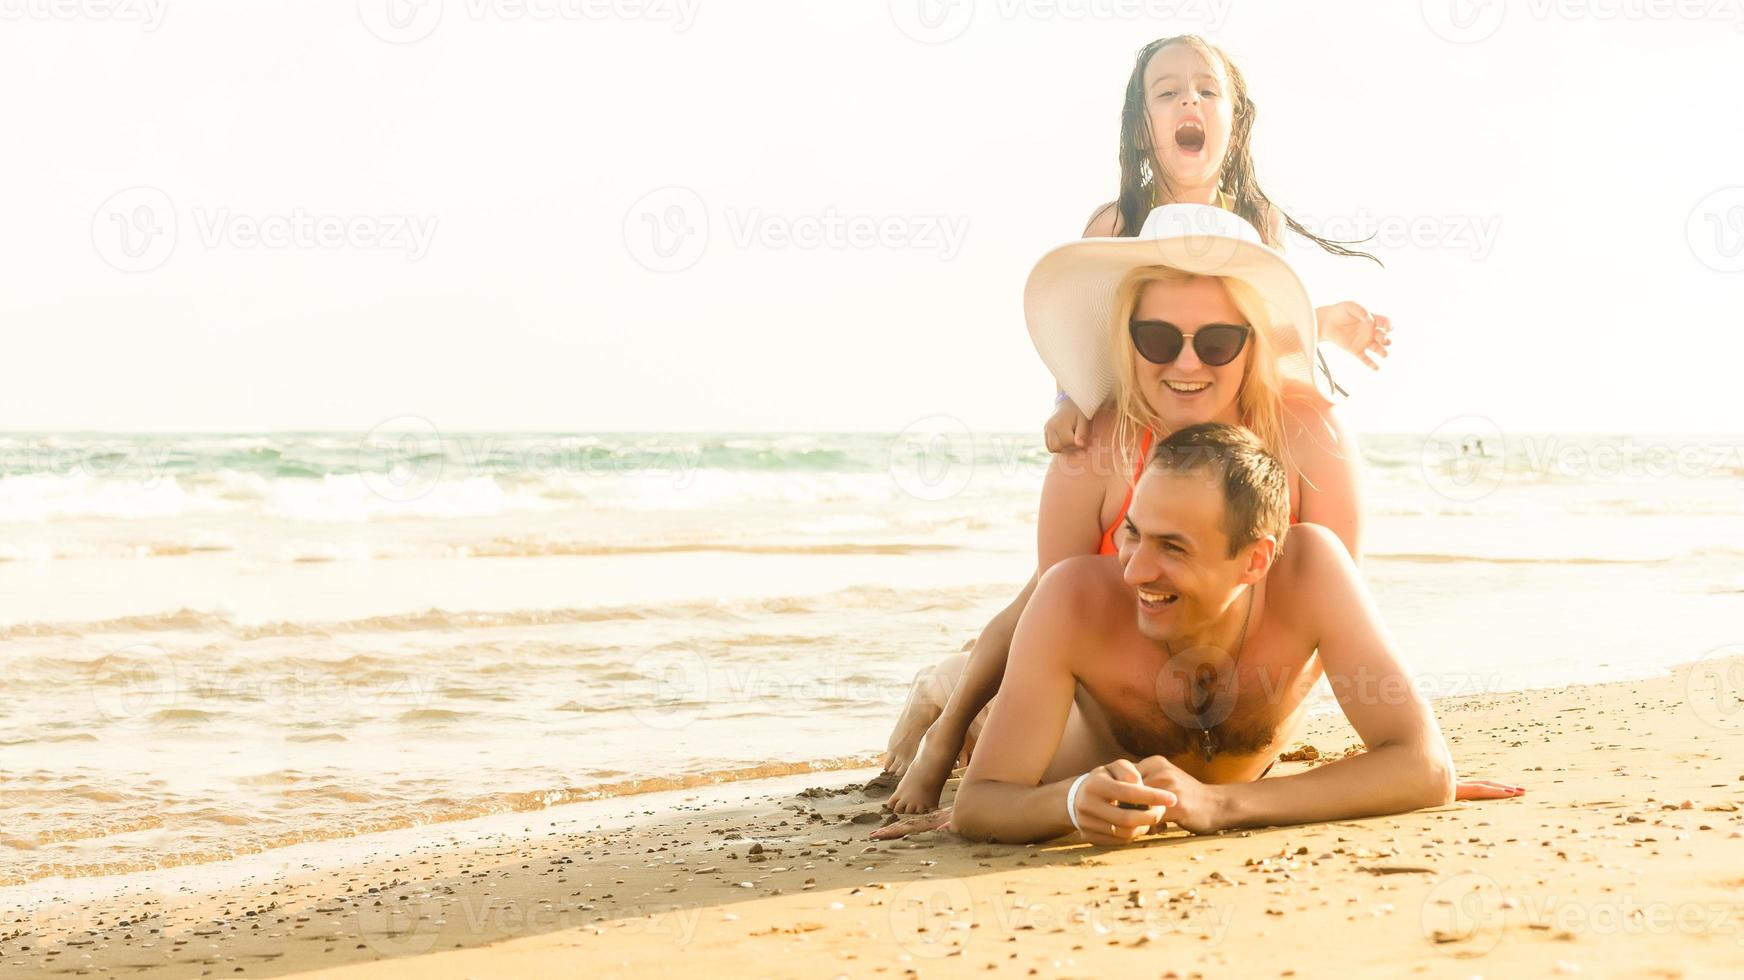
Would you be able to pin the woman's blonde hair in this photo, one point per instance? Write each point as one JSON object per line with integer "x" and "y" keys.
{"x": 1260, "y": 400}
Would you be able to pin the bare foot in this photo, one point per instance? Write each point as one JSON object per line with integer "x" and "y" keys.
{"x": 925, "y": 780}
{"x": 918, "y": 715}
{"x": 918, "y": 824}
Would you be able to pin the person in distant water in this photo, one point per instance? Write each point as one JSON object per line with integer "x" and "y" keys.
{"x": 1156, "y": 686}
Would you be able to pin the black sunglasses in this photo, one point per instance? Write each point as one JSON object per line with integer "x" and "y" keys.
{"x": 1161, "y": 343}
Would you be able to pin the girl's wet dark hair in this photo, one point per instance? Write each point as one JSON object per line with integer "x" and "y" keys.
{"x": 1142, "y": 183}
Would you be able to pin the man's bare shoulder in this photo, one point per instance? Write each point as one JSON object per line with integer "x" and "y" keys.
{"x": 1078, "y": 588}
{"x": 1311, "y": 560}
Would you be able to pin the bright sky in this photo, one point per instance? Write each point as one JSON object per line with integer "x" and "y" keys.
{"x": 263, "y": 215}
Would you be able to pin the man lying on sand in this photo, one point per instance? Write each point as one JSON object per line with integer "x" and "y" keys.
{"x": 1158, "y": 685}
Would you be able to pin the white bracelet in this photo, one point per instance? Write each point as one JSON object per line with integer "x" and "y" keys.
{"x": 1072, "y": 802}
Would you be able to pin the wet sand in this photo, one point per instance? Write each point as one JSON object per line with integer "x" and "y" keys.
{"x": 1625, "y": 858}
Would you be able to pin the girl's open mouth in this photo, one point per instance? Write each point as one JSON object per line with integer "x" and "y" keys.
{"x": 1190, "y": 136}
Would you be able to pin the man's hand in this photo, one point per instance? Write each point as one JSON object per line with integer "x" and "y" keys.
{"x": 1100, "y": 817}
{"x": 1197, "y": 809}
{"x": 1355, "y": 330}
{"x": 1067, "y": 430}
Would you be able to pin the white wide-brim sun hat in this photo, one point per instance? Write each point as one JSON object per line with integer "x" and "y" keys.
{"x": 1069, "y": 298}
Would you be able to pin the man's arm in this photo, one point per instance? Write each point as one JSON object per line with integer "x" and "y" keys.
{"x": 1002, "y": 798}
{"x": 1406, "y": 767}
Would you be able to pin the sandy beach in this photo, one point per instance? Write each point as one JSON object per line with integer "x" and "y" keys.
{"x": 489, "y": 489}
{"x": 1626, "y": 858}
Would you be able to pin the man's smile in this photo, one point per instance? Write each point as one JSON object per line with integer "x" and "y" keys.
{"x": 1154, "y": 600}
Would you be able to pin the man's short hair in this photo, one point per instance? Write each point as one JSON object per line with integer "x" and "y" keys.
{"x": 1256, "y": 493}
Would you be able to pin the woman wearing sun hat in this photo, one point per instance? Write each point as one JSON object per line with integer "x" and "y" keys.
{"x": 1193, "y": 320}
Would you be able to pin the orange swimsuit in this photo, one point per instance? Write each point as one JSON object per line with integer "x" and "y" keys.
{"x": 1144, "y": 451}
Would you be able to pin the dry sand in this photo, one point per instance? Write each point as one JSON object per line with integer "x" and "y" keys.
{"x": 1625, "y": 858}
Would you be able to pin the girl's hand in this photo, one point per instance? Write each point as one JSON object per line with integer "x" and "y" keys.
{"x": 1067, "y": 430}
{"x": 1352, "y": 328}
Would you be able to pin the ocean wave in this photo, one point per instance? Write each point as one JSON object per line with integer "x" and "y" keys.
{"x": 1430, "y": 558}
{"x": 356, "y": 498}
{"x": 964, "y": 598}
{"x": 1442, "y": 558}
{"x": 543, "y": 549}
{"x": 256, "y": 834}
